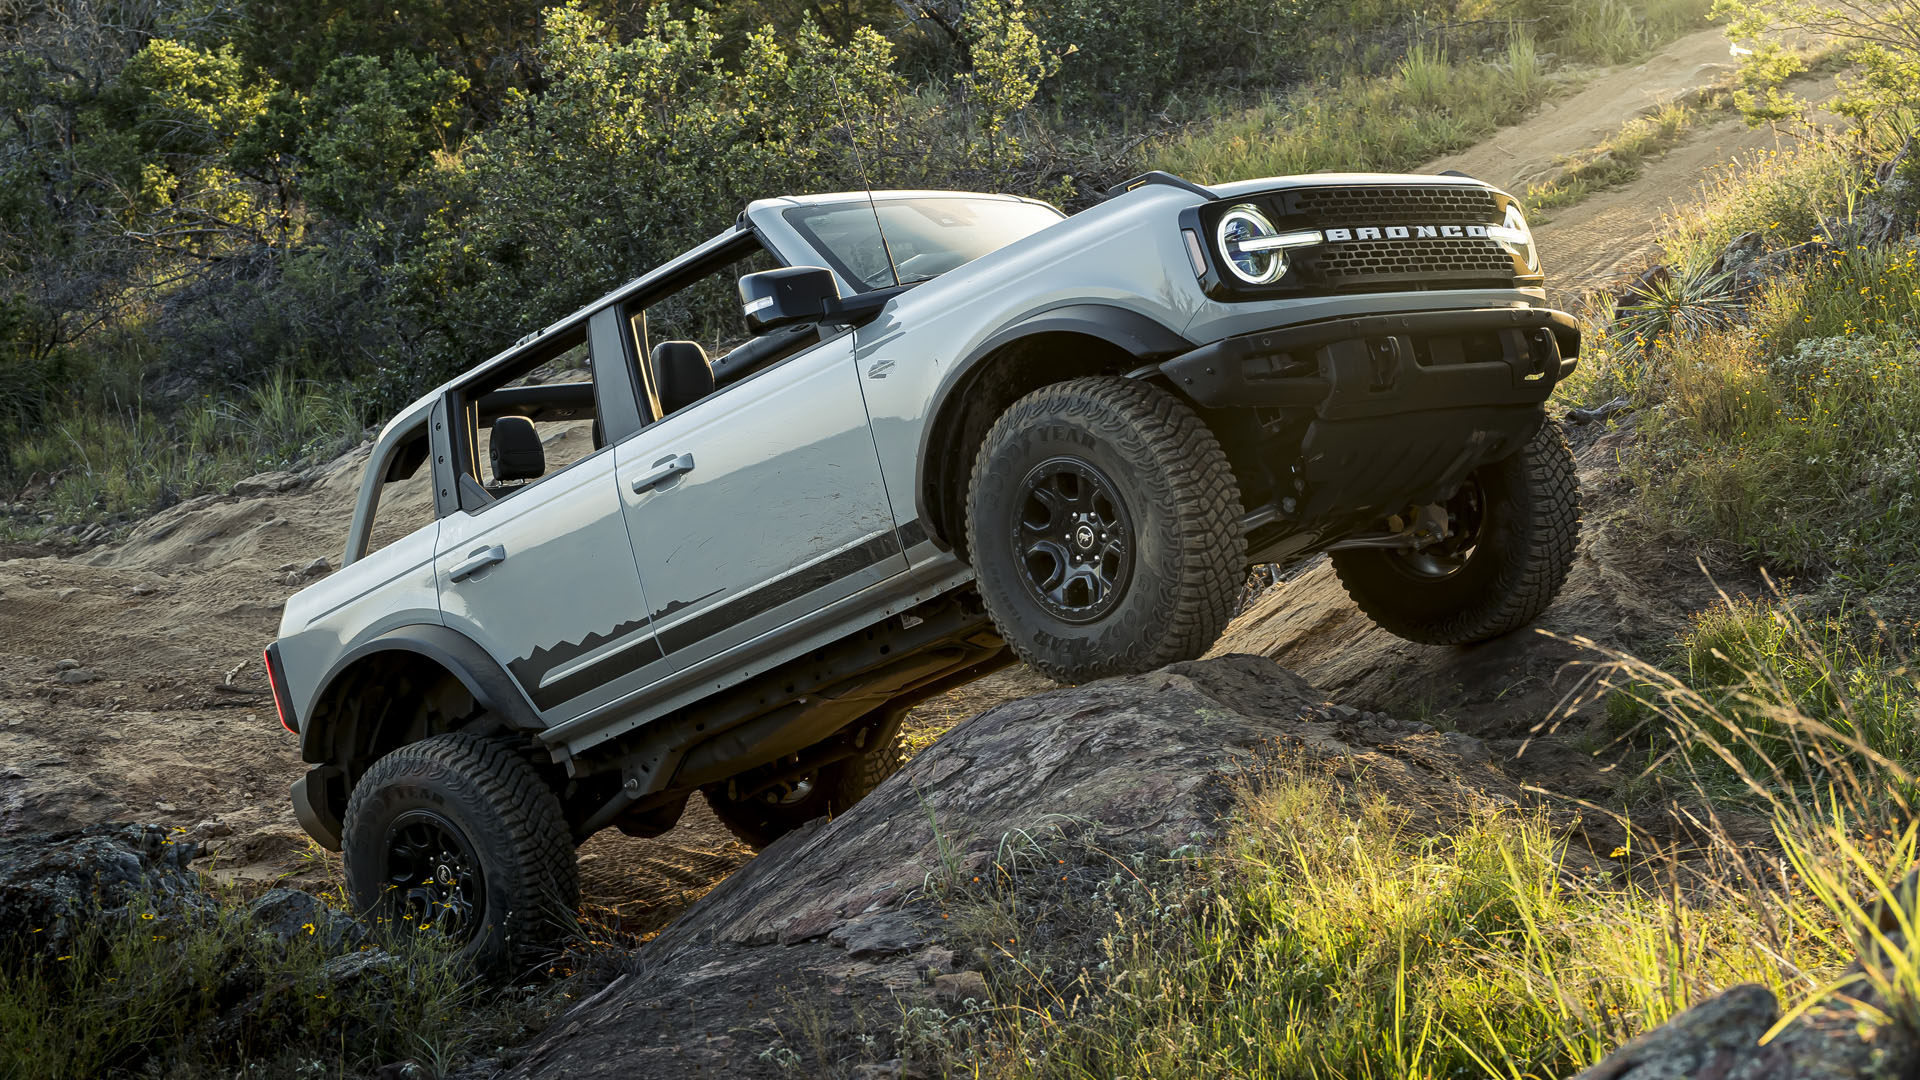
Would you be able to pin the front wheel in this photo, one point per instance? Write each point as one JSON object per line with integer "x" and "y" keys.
{"x": 457, "y": 836}
{"x": 1103, "y": 526}
{"x": 1513, "y": 527}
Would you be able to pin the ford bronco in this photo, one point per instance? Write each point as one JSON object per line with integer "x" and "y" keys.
{"x": 939, "y": 432}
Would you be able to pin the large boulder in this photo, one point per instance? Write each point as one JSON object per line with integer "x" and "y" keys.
{"x": 1720, "y": 1039}
{"x": 837, "y": 925}
{"x": 55, "y": 884}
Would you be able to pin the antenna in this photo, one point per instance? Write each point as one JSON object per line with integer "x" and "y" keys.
{"x": 872, "y": 204}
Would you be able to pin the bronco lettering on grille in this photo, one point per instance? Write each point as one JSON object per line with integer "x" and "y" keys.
{"x": 1409, "y": 232}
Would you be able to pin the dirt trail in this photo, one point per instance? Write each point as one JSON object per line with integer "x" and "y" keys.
{"x": 169, "y": 718}
{"x": 1529, "y": 151}
{"x": 1591, "y": 243}
{"x": 161, "y": 733}
{"x": 1587, "y": 245}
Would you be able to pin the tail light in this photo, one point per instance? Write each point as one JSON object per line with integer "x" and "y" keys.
{"x": 282, "y": 701}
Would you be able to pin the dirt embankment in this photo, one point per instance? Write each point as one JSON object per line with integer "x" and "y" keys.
{"x": 131, "y": 686}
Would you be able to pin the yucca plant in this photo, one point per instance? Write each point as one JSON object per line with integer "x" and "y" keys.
{"x": 1676, "y": 306}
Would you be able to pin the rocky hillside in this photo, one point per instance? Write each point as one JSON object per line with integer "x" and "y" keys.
{"x": 1061, "y": 879}
{"x": 836, "y": 925}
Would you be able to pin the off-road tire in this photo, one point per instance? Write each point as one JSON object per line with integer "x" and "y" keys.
{"x": 1166, "y": 466}
{"x": 1520, "y": 559}
{"x": 512, "y": 823}
{"x": 836, "y": 787}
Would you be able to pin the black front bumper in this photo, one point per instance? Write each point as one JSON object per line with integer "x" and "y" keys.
{"x": 1365, "y": 416}
{"x": 1380, "y": 365}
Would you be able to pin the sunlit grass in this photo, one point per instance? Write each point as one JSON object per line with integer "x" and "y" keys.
{"x": 1617, "y": 160}
{"x": 1429, "y": 106}
{"x": 1780, "y": 194}
{"x": 1334, "y": 933}
{"x": 1786, "y": 432}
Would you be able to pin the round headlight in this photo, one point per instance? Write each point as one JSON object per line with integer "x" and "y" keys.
{"x": 1518, "y": 238}
{"x": 1239, "y": 225}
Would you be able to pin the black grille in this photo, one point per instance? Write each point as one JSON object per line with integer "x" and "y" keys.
{"x": 1340, "y": 264}
{"x": 1393, "y": 205}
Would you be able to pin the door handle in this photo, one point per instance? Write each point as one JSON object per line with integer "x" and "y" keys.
{"x": 663, "y": 470}
{"x": 477, "y": 562}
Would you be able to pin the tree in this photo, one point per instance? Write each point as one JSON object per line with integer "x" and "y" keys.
{"x": 1883, "y": 38}
{"x": 629, "y": 152}
{"x": 368, "y": 126}
{"x": 1009, "y": 62}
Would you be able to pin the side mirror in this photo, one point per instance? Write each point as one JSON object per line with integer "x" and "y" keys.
{"x": 793, "y": 295}
{"x": 772, "y": 299}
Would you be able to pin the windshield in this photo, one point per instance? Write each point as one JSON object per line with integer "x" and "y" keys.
{"x": 928, "y": 237}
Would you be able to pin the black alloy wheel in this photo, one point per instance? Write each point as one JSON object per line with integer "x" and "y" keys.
{"x": 1103, "y": 525}
{"x": 459, "y": 836}
{"x": 433, "y": 876}
{"x": 1075, "y": 540}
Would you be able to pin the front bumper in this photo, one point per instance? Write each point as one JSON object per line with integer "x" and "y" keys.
{"x": 1380, "y": 365}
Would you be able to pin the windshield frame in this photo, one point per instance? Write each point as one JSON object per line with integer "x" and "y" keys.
{"x": 797, "y": 218}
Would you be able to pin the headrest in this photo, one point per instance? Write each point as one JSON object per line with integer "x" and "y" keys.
{"x": 515, "y": 450}
{"x": 683, "y": 374}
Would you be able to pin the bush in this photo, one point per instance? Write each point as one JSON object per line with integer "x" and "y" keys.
{"x": 1882, "y": 42}
{"x": 1801, "y": 450}
{"x": 634, "y": 151}
{"x": 193, "y": 993}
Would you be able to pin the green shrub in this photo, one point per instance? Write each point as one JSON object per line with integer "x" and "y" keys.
{"x": 147, "y": 997}
{"x": 1794, "y": 438}
{"x": 634, "y": 151}
{"x": 1881, "y": 43}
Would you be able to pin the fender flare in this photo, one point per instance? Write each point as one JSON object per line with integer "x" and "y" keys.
{"x": 482, "y": 676}
{"x": 1139, "y": 335}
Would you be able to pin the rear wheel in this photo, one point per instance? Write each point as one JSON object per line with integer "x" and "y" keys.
{"x": 1513, "y": 527}
{"x": 759, "y": 816}
{"x": 458, "y": 836}
{"x": 1103, "y": 525}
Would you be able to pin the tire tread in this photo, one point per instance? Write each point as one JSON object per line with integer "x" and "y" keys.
{"x": 1528, "y": 578}
{"x": 1204, "y": 592}
{"x": 534, "y": 826}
